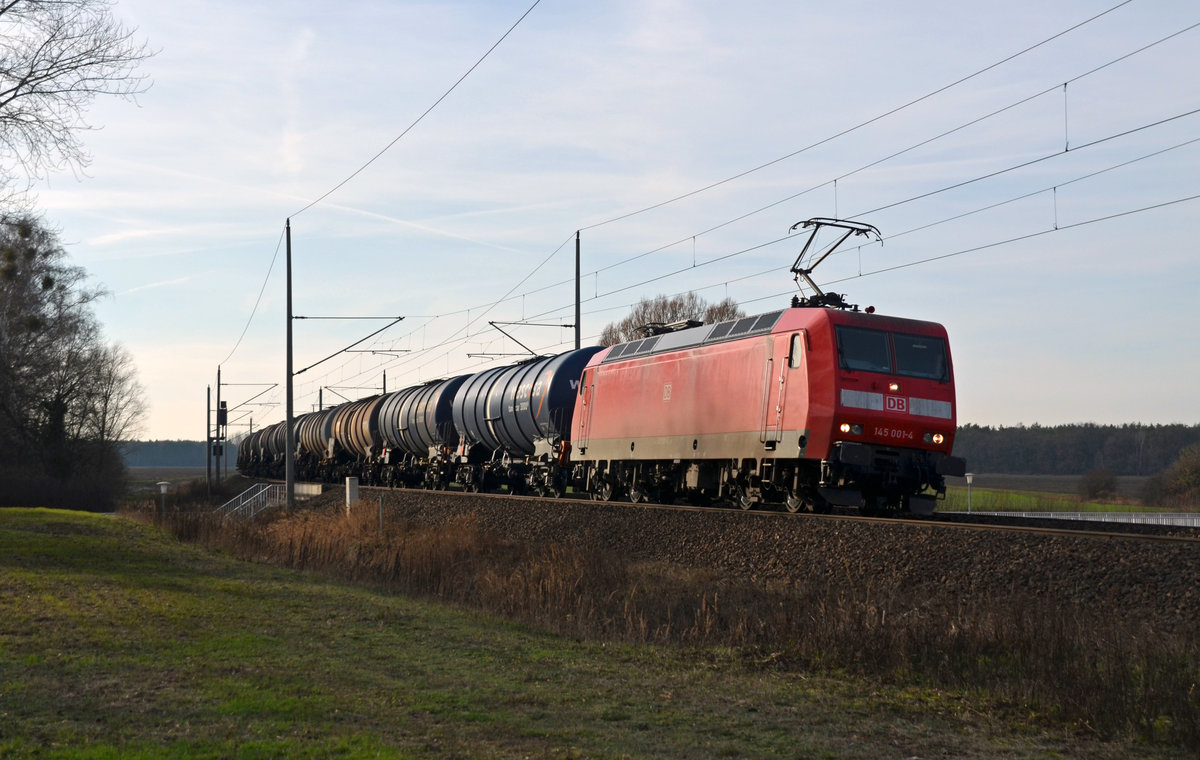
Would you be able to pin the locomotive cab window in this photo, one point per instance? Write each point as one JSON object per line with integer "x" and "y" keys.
{"x": 921, "y": 356}
{"x": 863, "y": 349}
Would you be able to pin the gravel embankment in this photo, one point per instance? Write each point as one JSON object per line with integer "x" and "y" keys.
{"x": 1115, "y": 578}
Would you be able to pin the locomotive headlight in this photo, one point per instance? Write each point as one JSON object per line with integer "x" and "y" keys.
{"x": 934, "y": 438}
{"x": 846, "y": 427}
{"x": 893, "y": 387}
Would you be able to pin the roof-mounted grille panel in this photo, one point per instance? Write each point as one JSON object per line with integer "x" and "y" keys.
{"x": 758, "y": 324}
{"x": 720, "y": 331}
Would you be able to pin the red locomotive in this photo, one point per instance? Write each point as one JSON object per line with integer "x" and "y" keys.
{"x": 812, "y": 407}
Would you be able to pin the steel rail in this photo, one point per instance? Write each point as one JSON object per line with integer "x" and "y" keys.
{"x": 933, "y": 522}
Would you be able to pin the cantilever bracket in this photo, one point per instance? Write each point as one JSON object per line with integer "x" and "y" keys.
{"x": 496, "y": 326}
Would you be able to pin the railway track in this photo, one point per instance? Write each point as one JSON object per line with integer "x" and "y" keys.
{"x": 1034, "y": 526}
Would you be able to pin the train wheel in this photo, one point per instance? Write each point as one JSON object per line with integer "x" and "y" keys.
{"x": 741, "y": 498}
{"x": 636, "y": 496}
{"x": 605, "y": 492}
{"x": 794, "y": 503}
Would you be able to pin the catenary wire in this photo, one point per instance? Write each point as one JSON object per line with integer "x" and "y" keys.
{"x": 457, "y": 338}
{"x": 920, "y": 196}
{"x": 257, "y": 301}
{"x": 877, "y": 162}
{"x": 762, "y": 166}
{"x": 965, "y": 251}
{"x": 420, "y": 118}
{"x": 856, "y": 127}
{"x": 542, "y": 264}
{"x": 370, "y": 161}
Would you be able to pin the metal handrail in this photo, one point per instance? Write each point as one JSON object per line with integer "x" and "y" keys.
{"x": 254, "y": 500}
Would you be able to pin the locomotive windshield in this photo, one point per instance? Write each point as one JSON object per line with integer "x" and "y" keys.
{"x": 869, "y": 350}
{"x": 920, "y": 356}
{"x": 865, "y": 350}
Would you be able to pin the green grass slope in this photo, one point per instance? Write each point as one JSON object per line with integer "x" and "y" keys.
{"x": 116, "y": 641}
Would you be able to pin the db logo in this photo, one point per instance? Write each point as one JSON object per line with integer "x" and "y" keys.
{"x": 896, "y": 404}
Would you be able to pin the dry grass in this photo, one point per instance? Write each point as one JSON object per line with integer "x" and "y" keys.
{"x": 1101, "y": 676}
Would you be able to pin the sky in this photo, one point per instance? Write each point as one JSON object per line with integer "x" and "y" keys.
{"x": 1035, "y": 193}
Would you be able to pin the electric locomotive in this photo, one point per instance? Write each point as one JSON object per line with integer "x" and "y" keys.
{"x": 815, "y": 406}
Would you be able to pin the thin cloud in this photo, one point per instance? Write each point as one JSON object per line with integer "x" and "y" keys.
{"x": 155, "y": 285}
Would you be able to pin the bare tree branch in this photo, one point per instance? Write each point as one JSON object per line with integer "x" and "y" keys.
{"x": 56, "y": 57}
{"x": 666, "y": 310}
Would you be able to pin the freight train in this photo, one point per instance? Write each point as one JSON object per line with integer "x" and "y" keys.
{"x": 811, "y": 407}
{"x": 807, "y": 407}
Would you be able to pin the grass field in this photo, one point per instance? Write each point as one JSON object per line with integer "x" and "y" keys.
{"x": 1038, "y": 493}
{"x": 143, "y": 481}
{"x": 1006, "y": 500}
{"x": 118, "y": 641}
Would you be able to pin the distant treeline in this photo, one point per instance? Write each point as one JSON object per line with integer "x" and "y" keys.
{"x": 170, "y": 454}
{"x": 1073, "y": 449}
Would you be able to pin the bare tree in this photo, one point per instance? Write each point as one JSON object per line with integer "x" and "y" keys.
{"x": 114, "y": 408}
{"x": 56, "y": 56}
{"x": 665, "y": 310}
{"x": 66, "y": 398}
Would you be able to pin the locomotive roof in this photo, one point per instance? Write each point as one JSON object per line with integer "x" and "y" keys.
{"x": 736, "y": 329}
{"x": 758, "y": 324}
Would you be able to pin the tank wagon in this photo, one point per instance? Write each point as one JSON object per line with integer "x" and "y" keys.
{"x": 809, "y": 407}
{"x": 420, "y": 435}
{"x": 504, "y": 428}
{"x": 514, "y": 424}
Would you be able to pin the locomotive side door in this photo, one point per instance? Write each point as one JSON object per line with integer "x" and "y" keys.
{"x": 774, "y": 385}
{"x": 586, "y": 395}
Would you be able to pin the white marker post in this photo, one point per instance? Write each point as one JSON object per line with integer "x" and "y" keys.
{"x": 351, "y": 494}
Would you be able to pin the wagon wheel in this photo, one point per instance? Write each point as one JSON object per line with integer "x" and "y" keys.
{"x": 605, "y": 491}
